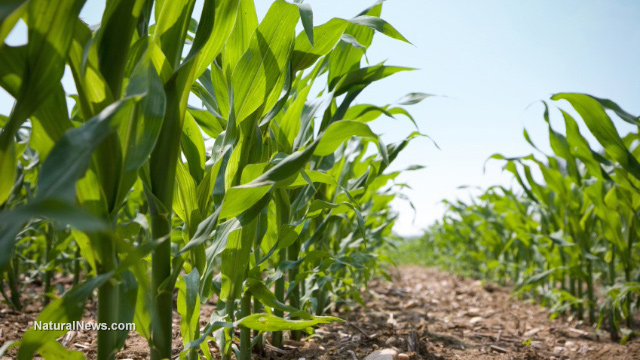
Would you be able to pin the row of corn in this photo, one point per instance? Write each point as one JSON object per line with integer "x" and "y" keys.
{"x": 569, "y": 235}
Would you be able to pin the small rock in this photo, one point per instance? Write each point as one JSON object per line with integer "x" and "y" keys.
{"x": 391, "y": 340}
{"x": 473, "y": 312}
{"x": 403, "y": 357}
{"x": 384, "y": 354}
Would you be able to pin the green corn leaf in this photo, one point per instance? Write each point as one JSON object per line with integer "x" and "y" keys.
{"x": 258, "y": 71}
{"x": 380, "y": 25}
{"x": 608, "y": 104}
{"x": 114, "y": 37}
{"x": 284, "y": 171}
{"x": 261, "y": 293}
{"x": 49, "y": 34}
{"x": 290, "y": 123}
{"x": 220, "y": 235}
{"x": 50, "y": 25}
{"x": 366, "y": 112}
{"x": 413, "y": 98}
{"x": 212, "y": 326}
{"x": 312, "y": 176}
{"x": 580, "y": 146}
{"x": 145, "y": 128}
{"x": 399, "y": 110}
{"x": 94, "y": 93}
{"x": 192, "y": 144}
{"x": 213, "y": 41}
{"x": 306, "y": 15}
{"x": 186, "y": 202}
{"x": 10, "y": 13}
{"x": 318, "y": 205}
{"x": 239, "y": 199}
{"x": 340, "y": 131}
{"x": 139, "y": 133}
{"x": 601, "y": 126}
{"x": 235, "y": 261}
{"x": 8, "y": 165}
{"x": 560, "y": 146}
{"x": 171, "y": 28}
{"x": 144, "y": 304}
{"x": 268, "y": 322}
{"x": 67, "y": 309}
{"x": 189, "y": 305}
{"x": 71, "y": 305}
{"x": 346, "y": 56}
{"x": 11, "y": 221}
{"x": 50, "y": 119}
{"x": 54, "y": 350}
{"x": 128, "y": 291}
{"x": 70, "y": 157}
{"x": 246, "y": 24}
{"x": 365, "y": 76}
{"x": 327, "y": 35}
{"x": 208, "y": 122}
{"x": 353, "y": 41}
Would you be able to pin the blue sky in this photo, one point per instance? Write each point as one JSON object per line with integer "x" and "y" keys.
{"x": 490, "y": 60}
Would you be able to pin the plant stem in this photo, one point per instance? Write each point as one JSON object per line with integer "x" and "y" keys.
{"x": 590, "y": 292}
{"x": 161, "y": 272}
{"x": 580, "y": 296}
{"x": 276, "y": 336}
{"x": 257, "y": 308}
{"x": 294, "y": 292}
{"x": 627, "y": 268}
{"x": 108, "y": 299}
{"x": 613, "y": 324}
{"x": 46, "y": 277}
{"x": 245, "y": 333}
{"x": 320, "y": 301}
{"x": 162, "y": 167}
{"x": 230, "y": 310}
{"x": 13, "y": 284}
{"x": 76, "y": 266}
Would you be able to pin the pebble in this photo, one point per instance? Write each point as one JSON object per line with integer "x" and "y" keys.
{"x": 384, "y": 354}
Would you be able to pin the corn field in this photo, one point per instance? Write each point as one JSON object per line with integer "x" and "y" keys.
{"x": 223, "y": 159}
{"x": 568, "y": 239}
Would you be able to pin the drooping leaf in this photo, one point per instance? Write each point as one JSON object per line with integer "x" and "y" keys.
{"x": 380, "y": 25}
{"x": 601, "y": 126}
{"x": 269, "y": 322}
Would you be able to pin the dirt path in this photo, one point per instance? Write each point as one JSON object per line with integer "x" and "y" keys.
{"x": 423, "y": 314}
{"x": 431, "y": 314}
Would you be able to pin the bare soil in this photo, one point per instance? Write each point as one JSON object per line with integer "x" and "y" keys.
{"x": 424, "y": 313}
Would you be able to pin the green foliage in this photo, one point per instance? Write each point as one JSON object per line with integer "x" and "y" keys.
{"x": 264, "y": 195}
{"x": 571, "y": 241}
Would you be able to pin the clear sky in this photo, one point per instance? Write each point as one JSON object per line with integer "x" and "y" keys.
{"x": 489, "y": 60}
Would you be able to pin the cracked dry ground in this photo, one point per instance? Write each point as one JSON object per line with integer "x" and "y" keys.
{"x": 424, "y": 313}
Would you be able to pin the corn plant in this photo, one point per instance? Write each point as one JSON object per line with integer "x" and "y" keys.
{"x": 280, "y": 209}
{"x": 559, "y": 239}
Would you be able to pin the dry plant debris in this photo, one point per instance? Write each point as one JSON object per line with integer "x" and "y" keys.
{"x": 425, "y": 313}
